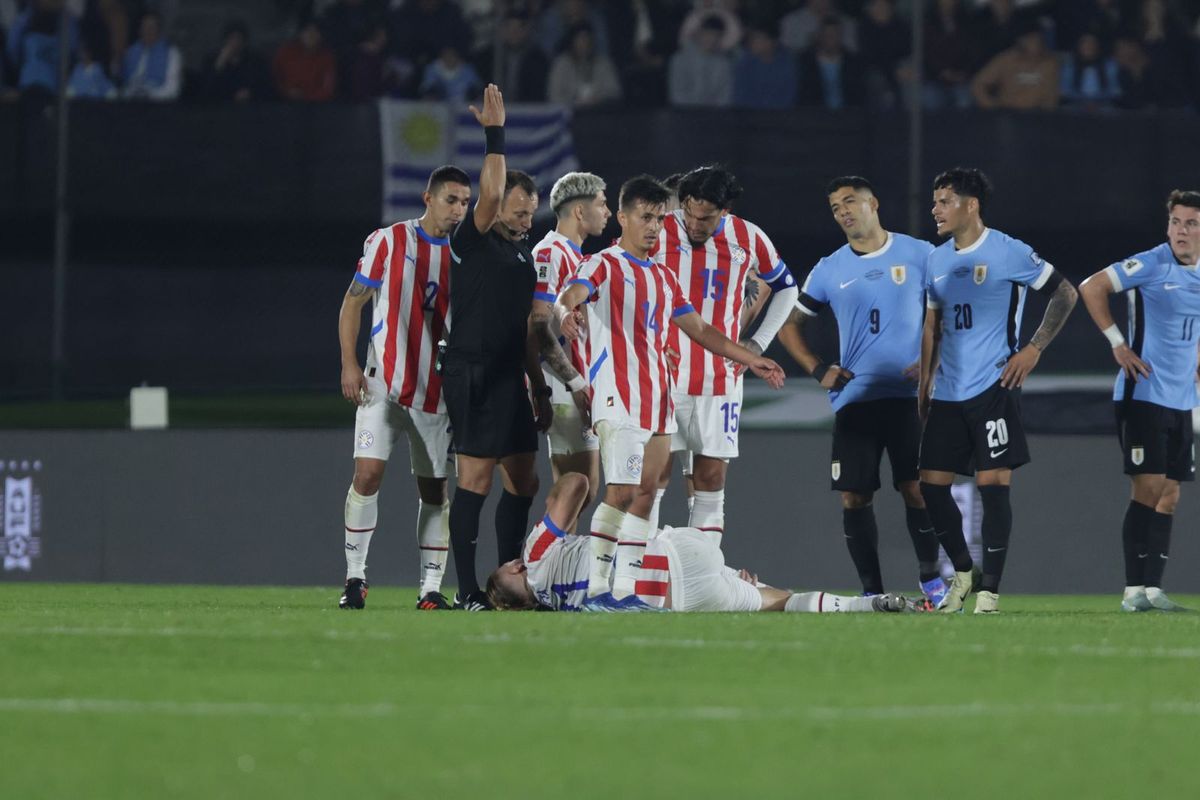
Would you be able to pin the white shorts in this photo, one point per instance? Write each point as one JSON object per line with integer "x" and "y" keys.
{"x": 700, "y": 581}
{"x": 708, "y": 424}
{"x": 380, "y": 421}
{"x": 567, "y": 435}
{"x": 622, "y": 450}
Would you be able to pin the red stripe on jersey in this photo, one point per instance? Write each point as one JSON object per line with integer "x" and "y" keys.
{"x": 375, "y": 273}
{"x": 697, "y": 294}
{"x": 437, "y": 326}
{"x": 651, "y": 588}
{"x": 671, "y": 247}
{"x": 416, "y": 324}
{"x": 541, "y": 545}
{"x": 654, "y": 562}
{"x": 642, "y": 346}
{"x": 395, "y": 283}
{"x": 725, "y": 274}
{"x": 616, "y": 288}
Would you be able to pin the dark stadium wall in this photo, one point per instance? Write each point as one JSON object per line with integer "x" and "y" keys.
{"x": 265, "y": 507}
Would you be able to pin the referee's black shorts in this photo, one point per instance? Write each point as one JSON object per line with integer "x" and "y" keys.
{"x": 489, "y": 409}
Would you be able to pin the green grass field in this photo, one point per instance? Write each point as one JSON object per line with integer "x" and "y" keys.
{"x": 210, "y": 692}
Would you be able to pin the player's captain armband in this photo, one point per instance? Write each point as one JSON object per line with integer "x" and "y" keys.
{"x": 1048, "y": 281}
{"x": 783, "y": 280}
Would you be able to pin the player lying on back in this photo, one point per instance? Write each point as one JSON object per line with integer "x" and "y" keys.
{"x": 683, "y": 570}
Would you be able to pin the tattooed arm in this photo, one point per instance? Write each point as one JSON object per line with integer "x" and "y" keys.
{"x": 1062, "y": 300}
{"x": 354, "y": 383}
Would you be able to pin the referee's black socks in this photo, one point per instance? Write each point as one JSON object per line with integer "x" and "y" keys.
{"x": 925, "y": 541}
{"x": 1159, "y": 547}
{"x": 1135, "y": 542}
{"x": 512, "y": 523}
{"x": 862, "y": 540}
{"x": 996, "y": 530}
{"x": 947, "y": 523}
{"x": 465, "y": 508}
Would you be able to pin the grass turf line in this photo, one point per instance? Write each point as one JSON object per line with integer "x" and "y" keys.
{"x": 205, "y": 692}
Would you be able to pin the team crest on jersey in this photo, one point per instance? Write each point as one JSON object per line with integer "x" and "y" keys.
{"x": 1137, "y": 455}
{"x": 1131, "y": 265}
{"x": 737, "y": 255}
{"x": 634, "y": 465}
{"x": 835, "y": 470}
{"x": 980, "y": 273}
{"x": 899, "y": 273}
{"x": 365, "y": 439}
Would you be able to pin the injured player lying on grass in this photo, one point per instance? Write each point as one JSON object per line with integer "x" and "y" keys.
{"x": 683, "y": 570}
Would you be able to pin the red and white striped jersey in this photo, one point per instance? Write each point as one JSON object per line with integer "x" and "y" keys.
{"x": 557, "y": 259}
{"x": 634, "y": 303}
{"x": 558, "y": 566}
{"x": 713, "y": 277}
{"x": 410, "y": 273}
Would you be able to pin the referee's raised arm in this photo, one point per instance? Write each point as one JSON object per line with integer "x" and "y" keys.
{"x": 491, "y": 178}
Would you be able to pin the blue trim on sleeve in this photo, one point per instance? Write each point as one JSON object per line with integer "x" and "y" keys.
{"x": 549, "y": 298}
{"x": 686, "y": 308}
{"x": 377, "y": 328}
{"x": 596, "y": 367}
{"x": 431, "y": 239}
{"x": 783, "y": 281}
{"x": 550, "y": 526}
{"x": 584, "y": 282}
{"x": 774, "y": 273}
{"x": 365, "y": 281}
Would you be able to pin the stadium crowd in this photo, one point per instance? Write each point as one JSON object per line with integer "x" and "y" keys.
{"x": 1043, "y": 54}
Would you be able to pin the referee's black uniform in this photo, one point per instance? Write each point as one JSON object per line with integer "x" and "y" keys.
{"x": 483, "y": 370}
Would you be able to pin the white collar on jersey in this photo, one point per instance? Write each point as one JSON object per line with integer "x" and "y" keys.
{"x": 978, "y": 243}
{"x": 877, "y": 253}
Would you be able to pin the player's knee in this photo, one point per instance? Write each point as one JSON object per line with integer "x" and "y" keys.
{"x": 368, "y": 475}
{"x": 910, "y": 492}
{"x": 853, "y": 500}
{"x": 1168, "y": 499}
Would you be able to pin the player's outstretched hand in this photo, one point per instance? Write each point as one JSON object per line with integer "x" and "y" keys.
{"x": 1019, "y": 366}
{"x": 583, "y": 402}
{"x": 493, "y": 107}
{"x": 673, "y": 358}
{"x": 769, "y": 371}
{"x": 354, "y": 384}
{"x": 913, "y": 372}
{"x": 1130, "y": 363}
{"x": 836, "y": 378}
{"x": 748, "y": 576}
{"x": 573, "y": 325}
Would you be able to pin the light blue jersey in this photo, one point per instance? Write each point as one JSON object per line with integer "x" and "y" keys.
{"x": 1164, "y": 314}
{"x": 877, "y": 301}
{"x": 981, "y": 292}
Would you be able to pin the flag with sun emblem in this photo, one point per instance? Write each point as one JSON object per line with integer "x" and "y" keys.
{"x": 419, "y": 137}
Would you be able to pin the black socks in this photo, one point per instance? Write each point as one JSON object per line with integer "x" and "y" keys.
{"x": 464, "y": 536}
{"x": 997, "y": 528}
{"x": 947, "y": 522}
{"x": 862, "y": 540}
{"x": 925, "y": 541}
{"x": 512, "y": 523}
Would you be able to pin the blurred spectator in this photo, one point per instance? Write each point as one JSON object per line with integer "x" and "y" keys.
{"x": 642, "y": 56}
{"x": 523, "y": 66}
{"x": 948, "y": 56}
{"x": 1170, "y": 52}
{"x": 564, "y": 16}
{"x": 581, "y": 76}
{"x": 152, "y": 68}
{"x": 33, "y": 46}
{"x": 701, "y": 73}
{"x": 374, "y": 73}
{"x": 88, "y": 80}
{"x": 997, "y": 26}
{"x": 1089, "y": 76}
{"x": 450, "y": 78}
{"x": 886, "y": 44}
{"x": 1133, "y": 70}
{"x": 235, "y": 72}
{"x": 106, "y": 26}
{"x": 1100, "y": 17}
{"x": 701, "y": 10}
{"x": 830, "y": 75}
{"x": 1023, "y": 77}
{"x": 304, "y": 67}
{"x": 345, "y": 25}
{"x": 764, "y": 75}
{"x": 798, "y": 30}
{"x": 421, "y": 29}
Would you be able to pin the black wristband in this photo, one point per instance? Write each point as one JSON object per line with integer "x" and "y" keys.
{"x": 819, "y": 371}
{"x": 494, "y": 134}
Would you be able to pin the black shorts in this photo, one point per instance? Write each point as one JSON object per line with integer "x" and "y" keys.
{"x": 1156, "y": 440}
{"x": 489, "y": 409}
{"x": 981, "y": 433}
{"x": 862, "y": 431}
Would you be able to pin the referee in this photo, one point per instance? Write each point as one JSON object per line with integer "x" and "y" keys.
{"x": 488, "y": 357}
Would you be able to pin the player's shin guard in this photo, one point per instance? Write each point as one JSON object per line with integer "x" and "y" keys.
{"x": 631, "y": 547}
{"x": 464, "y": 537}
{"x": 708, "y": 513}
{"x": 654, "y": 512}
{"x": 862, "y": 540}
{"x": 512, "y": 523}
{"x": 1135, "y": 535}
{"x": 606, "y": 524}
{"x": 433, "y": 540}
{"x": 947, "y": 524}
{"x": 825, "y": 603}
{"x": 362, "y": 513}
{"x": 995, "y": 533}
{"x": 925, "y": 542}
{"x": 1159, "y": 548}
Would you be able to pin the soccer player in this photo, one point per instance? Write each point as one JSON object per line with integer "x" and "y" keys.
{"x": 581, "y": 209}
{"x": 712, "y": 253}
{"x": 684, "y": 570}
{"x": 972, "y": 369}
{"x": 634, "y": 301}
{"x": 1155, "y": 389}
{"x": 875, "y": 285}
{"x": 405, "y": 269}
{"x": 489, "y": 353}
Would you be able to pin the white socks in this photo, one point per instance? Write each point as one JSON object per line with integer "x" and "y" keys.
{"x": 654, "y": 510}
{"x": 606, "y": 523}
{"x": 708, "y": 513}
{"x": 631, "y": 547}
{"x": 361, "y": 515}
{"x": 433, "y": 539}
{"x": 825, "y": 603}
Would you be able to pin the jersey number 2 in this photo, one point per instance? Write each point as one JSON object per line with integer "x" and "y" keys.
{"x": 431, "y": 292}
